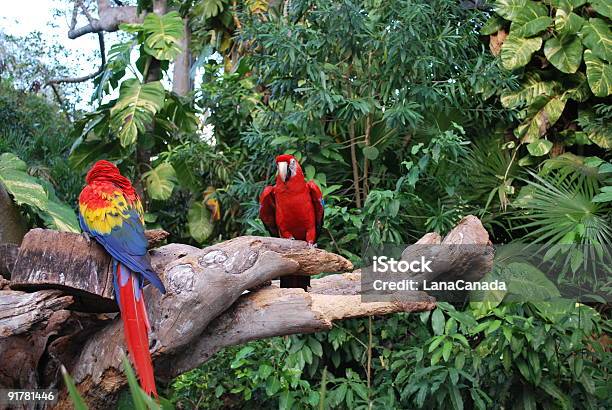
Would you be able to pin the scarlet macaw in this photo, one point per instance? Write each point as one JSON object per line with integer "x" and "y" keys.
{"x": 293, "y": 208}
{"x": 110, "y": 211}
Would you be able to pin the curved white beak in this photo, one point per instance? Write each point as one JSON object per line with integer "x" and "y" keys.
{"x": 282, "y": 170}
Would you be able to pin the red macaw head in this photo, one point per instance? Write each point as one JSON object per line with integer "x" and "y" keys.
{"x": 108, "y": 172}
{"x": 288, "y": 167}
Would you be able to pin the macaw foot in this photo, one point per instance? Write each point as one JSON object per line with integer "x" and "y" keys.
{"x": 87, "y": 238}
{"x": 312, "y": 245}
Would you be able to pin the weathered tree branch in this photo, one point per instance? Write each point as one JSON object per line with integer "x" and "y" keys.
{"x": 109, "y": 19}
{"x": 81, "y": 79}
{"x": 208, "y": 306}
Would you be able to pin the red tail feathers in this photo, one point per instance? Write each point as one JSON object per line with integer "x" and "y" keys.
{"x": 136, "y": 330}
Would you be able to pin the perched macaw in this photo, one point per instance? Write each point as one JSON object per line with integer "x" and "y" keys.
{"x": 110, "y": 211}
{"x": 293, "y": 208}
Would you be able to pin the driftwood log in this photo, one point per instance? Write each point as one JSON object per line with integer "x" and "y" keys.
{"x": 59, "y": 308}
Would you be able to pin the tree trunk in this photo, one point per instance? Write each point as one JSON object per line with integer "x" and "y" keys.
{"x": 181, "y": 75}
{"x": 12, "y": 224}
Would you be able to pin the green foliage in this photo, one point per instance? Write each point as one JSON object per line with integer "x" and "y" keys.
{"x": 398, "y": 104}
{"x": 135, "y": 108}
{"x": 554, "y": 80}
{"x": 163, "y": 35}
{"x": 139, "y": 399}
{"x": 484, "y": 357}
{"x": 30, "y": 191}
{"x": 160, "y": 181}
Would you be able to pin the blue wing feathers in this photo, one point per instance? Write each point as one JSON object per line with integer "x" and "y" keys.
{"x": 128, "y": 245}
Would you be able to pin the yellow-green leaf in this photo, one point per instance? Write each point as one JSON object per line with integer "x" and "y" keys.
{"x": 517, "y": 51}
{"x": 135, "y": 108}
{"x": 208, "y": 8}
{"x": 597, "y": 36}
{"x": 530, "y": 12}
{"x": 539, "y": 147}
{"x": 160, "y": 181}
{"x": 599, "y": 74}
{"x": 24, "y": 189}
{"x": 199, "y": 222}
{"x": 565, "y": 53}
{"x": 533, "y": 27}
{"x": 509, "y": 9}
{"x": 531, "y": 87}
{"x": 543, "y": 114}
{"x": 567, "y": 22}
{"x": 492, "y": 26}
{"x": 61, "y": 217}
{"x": 163, "y": 35}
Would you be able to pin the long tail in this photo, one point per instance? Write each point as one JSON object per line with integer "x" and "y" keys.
{"x": 135, "y": 326}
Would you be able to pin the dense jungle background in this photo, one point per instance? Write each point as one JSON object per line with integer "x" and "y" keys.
{"x": 409, "y": 114}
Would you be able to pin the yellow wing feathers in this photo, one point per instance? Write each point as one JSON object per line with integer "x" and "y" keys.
{"x": 108, "y": 211}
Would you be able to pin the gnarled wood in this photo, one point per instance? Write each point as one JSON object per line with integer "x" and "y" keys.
{"x": 81, "y": 267}
{"x": 208, "y": 306}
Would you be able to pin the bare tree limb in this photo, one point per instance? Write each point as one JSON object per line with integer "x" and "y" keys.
{"x": 109, "y": 19}
{"x": 88, "y": 76}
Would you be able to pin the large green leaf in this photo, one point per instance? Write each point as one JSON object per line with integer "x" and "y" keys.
{"x": 492, "y": 26}
{"x": 577, "y": 87}
{"x": 533, "y": 27}
{"x": 542, "y": 115}
{"x": 209, "y": 8}
{"x": 599, "y": 74}
{"x": 199, "y": 222}
{"x": 24, "y": 188}
{"x": 509, "y": 9}
{"x": 598, "y": 132}
{"x": 597, "y": 36}
{"x": 160, "y": 181}
{"x": 27, "y": 190}
{"x": 516, "y": 51}
{"x": 567, "y": 22}
{"x": 567, "y": 4}
{"x": 539, "y": 148}
{"x": 603, "y": 7}
{"x": 135, "y": 108}
{"x": 61, "y": 217}
{"x": 163, "y": 35}
{"x": 530, "y": 12}
{"x": 526, "y": 282}
{"x": 531, "y": 87}
{"x": 565, "y": 53}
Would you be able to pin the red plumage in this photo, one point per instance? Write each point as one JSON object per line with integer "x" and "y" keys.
{"x": 136, "y": 330}
{"x": 292, "y": 208}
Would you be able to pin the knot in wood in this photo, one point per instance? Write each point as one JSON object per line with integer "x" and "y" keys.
{"x": 180, "y": 278}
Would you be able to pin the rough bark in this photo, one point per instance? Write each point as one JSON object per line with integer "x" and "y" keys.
{"x": 109, "y": 19}
{"x": 208, "y": 306}
{"x": 12, "y": 224}
{"x": 8, "y": 256}
{"x": 80, "y": 266}
{"x": 465, "y": 253}
{"x": 26, "y": 322}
